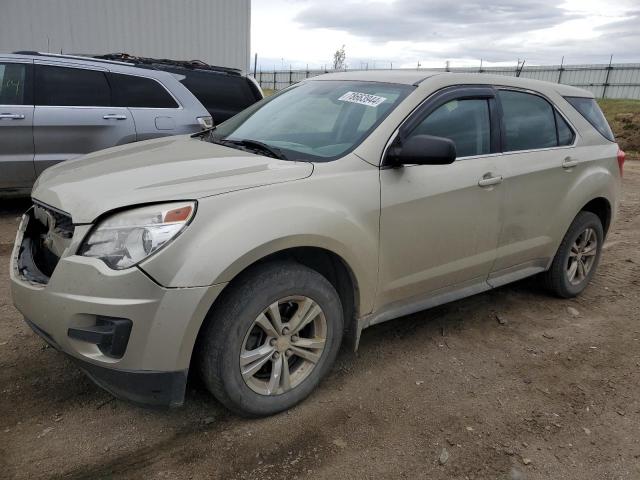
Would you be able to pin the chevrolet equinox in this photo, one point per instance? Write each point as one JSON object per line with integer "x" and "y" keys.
{"x": 253, "y": 250}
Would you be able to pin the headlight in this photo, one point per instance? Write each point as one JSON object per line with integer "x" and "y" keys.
{"x": 128, "y": 237}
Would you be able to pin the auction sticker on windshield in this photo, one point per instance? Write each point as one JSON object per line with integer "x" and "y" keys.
{"x": 362, "y": 98}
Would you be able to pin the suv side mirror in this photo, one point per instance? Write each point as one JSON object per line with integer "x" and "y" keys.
{"x": 424, "y": 150}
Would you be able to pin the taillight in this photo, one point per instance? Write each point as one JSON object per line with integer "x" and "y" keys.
{"x": 621, "y": 157}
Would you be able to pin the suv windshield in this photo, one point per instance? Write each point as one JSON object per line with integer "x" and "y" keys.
{"x": 315, "y": 120}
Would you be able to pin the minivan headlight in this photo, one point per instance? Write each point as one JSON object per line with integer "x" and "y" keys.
{"x": 126, "y": 238}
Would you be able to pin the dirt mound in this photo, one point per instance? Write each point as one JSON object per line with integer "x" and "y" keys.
{"x": 627, "y": 129}
{"x": 624, "y": 118}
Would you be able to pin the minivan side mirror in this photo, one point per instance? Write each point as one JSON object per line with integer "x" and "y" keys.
{"x": 423, "y": 150}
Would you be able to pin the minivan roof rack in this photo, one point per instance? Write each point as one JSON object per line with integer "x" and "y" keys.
{"x": 151, "y": 62}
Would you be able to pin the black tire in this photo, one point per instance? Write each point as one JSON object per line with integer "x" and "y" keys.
{"x": 556, "y": 279}
{"x": 233, "y": 317}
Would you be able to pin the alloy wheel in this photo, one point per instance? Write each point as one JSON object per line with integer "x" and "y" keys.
{"x": 582, "y": 256}
{"x": 283, "y": 345}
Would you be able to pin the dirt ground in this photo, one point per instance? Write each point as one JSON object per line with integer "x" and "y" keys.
{"x": 513, "y": 384}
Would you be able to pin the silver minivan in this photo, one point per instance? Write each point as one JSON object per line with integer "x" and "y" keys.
{"x": 54, "y": 108}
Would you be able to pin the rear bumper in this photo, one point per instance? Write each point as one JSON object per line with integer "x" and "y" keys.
{"x": 164, "y": 323}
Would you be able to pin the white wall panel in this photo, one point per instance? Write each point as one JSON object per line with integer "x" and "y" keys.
{"x": 215, "y": 31}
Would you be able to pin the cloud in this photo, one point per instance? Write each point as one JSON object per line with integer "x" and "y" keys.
{"x": 434, "y": 20}
{"x": 497, "y": 30}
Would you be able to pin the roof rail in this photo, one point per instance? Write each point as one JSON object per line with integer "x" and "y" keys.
{"x": 79, "y": 56}
{"x": 153, "y": 62}
{"x": 126, "y": 59}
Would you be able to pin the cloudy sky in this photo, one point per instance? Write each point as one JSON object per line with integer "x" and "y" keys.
{"x": 405, "y": 32}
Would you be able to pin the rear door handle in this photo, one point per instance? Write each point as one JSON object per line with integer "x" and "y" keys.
{"x": 569, "y": 163}
{"x": 114, "y": 116}
{"x": 487, "y": 180}
{"x": 11, "y": 116}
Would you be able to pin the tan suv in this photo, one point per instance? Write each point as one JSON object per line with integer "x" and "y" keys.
{"x": 252, "y": 251}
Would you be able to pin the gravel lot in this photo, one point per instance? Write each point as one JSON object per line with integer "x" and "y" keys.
{"x": 510, "y": 384}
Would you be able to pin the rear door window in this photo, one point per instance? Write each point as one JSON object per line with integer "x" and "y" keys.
{"x": 466, "y": 122}
{"x": 528, "y": 121}
{"x": 74, "y": 87}
{"x": 139, "y": 92}
{"x": 589, "y": 109}
{"x": 13, "y": 80}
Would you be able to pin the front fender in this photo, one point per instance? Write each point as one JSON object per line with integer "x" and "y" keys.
{"x": 233, "y": 231}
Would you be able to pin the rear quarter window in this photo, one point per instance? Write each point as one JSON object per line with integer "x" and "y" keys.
{"x": 222, "y": 95}
{"x": 565, "y": 134}
{"x": 139, "y": 92}
{"x": 589, "y": 109}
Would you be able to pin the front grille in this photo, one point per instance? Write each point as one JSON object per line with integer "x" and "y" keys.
{"x": 46, "y": 237}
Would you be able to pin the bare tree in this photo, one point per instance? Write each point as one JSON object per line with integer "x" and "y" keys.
{"x": 339, "y": 59}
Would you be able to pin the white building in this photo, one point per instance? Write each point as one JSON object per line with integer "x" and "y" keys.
{"x": 215, "y": 31}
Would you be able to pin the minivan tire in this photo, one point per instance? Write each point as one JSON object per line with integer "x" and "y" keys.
{"x": 556, "y": 279}
{"x": 233, "y": 318}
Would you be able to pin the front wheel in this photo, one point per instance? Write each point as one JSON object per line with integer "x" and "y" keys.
{"x": 271, "y": 338}
{"x": 577, "y": 257}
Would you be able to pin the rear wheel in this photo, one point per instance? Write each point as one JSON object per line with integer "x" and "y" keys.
{"x": 271, "y": 339}
{"x": 577, "y": 257}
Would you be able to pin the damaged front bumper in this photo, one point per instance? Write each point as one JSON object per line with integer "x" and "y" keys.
{"x": 75, "y": 307}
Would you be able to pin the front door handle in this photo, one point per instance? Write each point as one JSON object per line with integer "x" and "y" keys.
{"x": 11, "y": 116}
{"x": 568, "y": 162}
{"x": 114, "y": 116}
{"x": 487, "y": 180}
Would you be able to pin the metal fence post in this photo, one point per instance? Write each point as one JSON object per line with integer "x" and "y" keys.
{"x": 606, "y": 80}
{"x": 274, "y": 79}
{"x": 560, "y": 70}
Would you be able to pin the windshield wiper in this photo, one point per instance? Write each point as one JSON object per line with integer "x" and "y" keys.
{"x": 207, "y": 131}
{"x": 257, "y": 145}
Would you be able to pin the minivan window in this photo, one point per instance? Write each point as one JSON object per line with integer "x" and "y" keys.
{"x": 466, "y": 122}
{"x": 64, "y": 86}
{"x": 589, "y": 109}
{"x": 12, "y": 83}
{"x": 528, "y": 121}
{"x": 315, "y": 120}
{"x": 139, "y": 92}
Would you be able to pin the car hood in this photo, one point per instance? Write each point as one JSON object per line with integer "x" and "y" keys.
{"x": 165, "y": 169}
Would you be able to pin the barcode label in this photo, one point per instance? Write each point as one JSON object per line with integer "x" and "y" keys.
{"x": 362, "y": 99}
